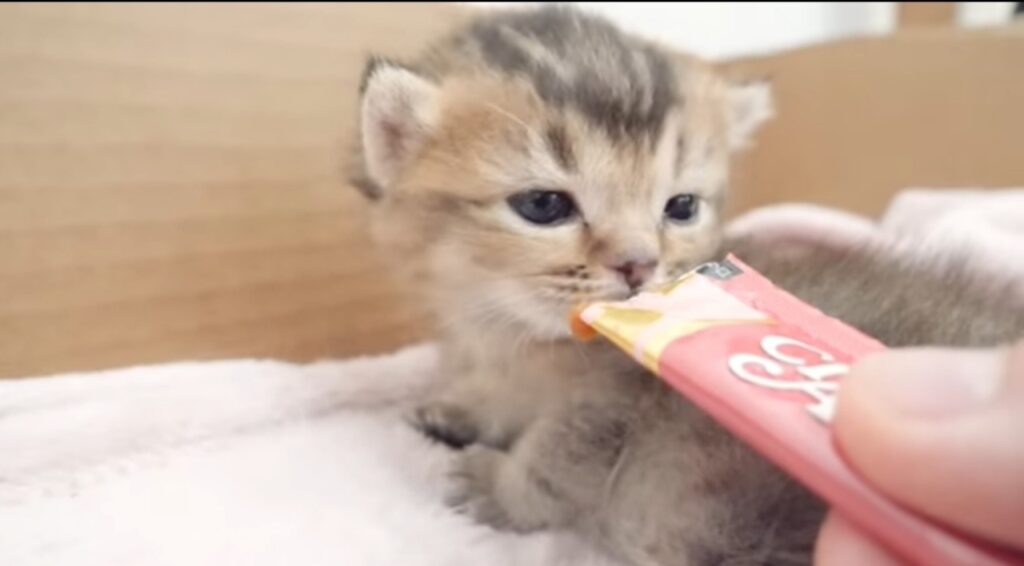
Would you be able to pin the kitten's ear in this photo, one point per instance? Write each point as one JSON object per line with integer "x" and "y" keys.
{"x": 398, "y": 111}
{"x": 750, "y": 105}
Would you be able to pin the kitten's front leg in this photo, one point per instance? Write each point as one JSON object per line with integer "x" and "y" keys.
{"x": 557, "y": 469}
{"x": 473, "y": 490}
{"x": 470, "y": 411}
{"x": 447, "y": 422}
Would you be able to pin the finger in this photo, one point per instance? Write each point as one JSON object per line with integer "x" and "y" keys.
{"x": 943, "y": 432}
{"x": 841, "y": 544}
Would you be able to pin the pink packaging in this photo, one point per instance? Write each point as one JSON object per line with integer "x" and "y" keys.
{"x": 767, "y": 367}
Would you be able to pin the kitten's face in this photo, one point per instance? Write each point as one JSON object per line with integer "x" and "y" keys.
{"x": 512, "y": 211}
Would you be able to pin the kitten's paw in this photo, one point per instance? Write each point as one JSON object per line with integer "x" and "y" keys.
{"x": 446, "y": 423}
{"x": 472, "y": 489}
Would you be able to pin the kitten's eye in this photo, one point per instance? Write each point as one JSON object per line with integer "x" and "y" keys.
{"x": 681, "y": 208}
{"x": 543, "y": 207}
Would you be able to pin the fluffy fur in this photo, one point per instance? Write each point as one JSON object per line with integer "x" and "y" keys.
{"x": 563, "y": 435}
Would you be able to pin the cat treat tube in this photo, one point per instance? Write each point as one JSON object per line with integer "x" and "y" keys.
{"x": 767, "y": 367}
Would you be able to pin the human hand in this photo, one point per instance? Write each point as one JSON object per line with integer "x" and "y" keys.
{"x": 941, "y": 431}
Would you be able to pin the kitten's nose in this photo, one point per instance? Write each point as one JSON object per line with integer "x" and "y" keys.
{"x": 636, "y": 273}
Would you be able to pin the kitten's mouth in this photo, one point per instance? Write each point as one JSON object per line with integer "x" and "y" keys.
{"x": 619, "y": 294}
{"x": 608, "y": 294}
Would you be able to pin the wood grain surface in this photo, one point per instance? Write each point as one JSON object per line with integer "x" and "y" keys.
{"x": 170, "y": 182}
{"x": 860, "y": 119}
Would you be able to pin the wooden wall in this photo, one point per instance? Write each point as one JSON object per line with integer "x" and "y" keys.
{"x": 170, "y": 185}
{"x": 861, "y": 119}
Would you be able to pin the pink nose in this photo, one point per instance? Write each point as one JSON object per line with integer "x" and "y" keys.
{"x": 636, "y": 273}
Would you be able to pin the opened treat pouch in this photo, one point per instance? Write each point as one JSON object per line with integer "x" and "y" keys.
{"x": 768, "y": 367}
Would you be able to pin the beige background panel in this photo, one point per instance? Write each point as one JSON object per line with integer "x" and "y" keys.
{"x": 170, "y": 187}
{"x": 860, "y": 119}
{"x": 170, "y": 183}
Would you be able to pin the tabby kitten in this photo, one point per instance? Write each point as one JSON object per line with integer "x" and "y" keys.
{"x": 532, "y": 160}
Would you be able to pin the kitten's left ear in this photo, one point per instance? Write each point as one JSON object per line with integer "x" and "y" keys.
{"x": 398, "y": 112}
{"x": 750, "y": 105}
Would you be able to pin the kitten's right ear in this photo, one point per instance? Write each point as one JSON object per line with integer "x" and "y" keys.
{"x": 750, "y": 106}
{"x": 398, "y": 111}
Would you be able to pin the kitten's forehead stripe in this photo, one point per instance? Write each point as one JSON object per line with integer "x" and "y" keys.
{"x": 680, "y": 148}
{"x": 620, "y": 84}
{"x": 561, "y": 148}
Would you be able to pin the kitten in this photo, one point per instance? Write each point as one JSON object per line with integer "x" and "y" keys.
{"x": 899, "y": 297}
{"x": 540, "y": 158}
{"x": 528, "y": 162}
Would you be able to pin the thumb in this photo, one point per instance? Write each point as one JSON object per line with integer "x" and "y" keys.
{"x": 942, "y": 431}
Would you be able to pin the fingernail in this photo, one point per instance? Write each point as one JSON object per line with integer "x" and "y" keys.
{"x": 930, "y": 383}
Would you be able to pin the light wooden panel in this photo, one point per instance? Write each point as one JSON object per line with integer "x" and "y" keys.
{"x": 925, "y": 14}
{"x": 859, "y": 120}
{"x": 170, "y": 182}
{"x": 170, "y": 185}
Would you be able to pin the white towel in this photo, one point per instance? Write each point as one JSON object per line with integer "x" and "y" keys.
{"x": 245, "y": 463}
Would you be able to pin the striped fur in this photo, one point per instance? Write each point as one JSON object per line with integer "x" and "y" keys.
{"x": 556, "y": 99}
